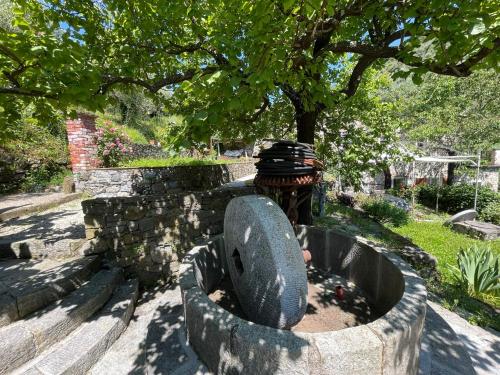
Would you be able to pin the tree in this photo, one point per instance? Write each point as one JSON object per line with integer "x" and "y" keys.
{"x": 235, "y": 58}
{"x": 457, "y": 116}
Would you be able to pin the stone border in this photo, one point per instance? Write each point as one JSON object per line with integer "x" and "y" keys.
{"x": 228, "y": 344}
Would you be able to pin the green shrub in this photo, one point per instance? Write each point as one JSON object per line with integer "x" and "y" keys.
{"x": 478, "y": 270}
{"x": 402, "y": 192}
{"x": 491, "y": 213}
{"x": 455, "y": 198}
{"x": 43, "y": 176}
{"x": 385, "y": 212}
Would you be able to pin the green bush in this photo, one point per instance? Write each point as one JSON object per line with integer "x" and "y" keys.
{"x": 402, "y": 192}
{"x": 478, "y": 270}
{"x": 385, "y": 212}
{"x": 491, "y": 213}
{"x": 112, "y": 144}
{"x": 455, "y": 198}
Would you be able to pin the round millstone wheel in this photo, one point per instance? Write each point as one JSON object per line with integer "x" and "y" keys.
{"x": 265, "y": 262}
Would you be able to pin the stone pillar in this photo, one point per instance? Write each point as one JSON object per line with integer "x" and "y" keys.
{"x": 82, "y": 142}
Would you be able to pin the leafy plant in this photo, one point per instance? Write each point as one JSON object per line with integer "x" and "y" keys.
{"x": 112, "y": 144}
{"x": 385, "y": 212}
{"x": 457, "y": 197}
{"x": 478, "y": 270}
{"x": 491, "y": 213}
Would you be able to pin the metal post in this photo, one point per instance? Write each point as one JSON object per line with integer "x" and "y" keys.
{"x": 477, "y": 179}
{"x": 413, "y": 185}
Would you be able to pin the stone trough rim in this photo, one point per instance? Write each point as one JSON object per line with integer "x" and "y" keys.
{"x": 402, "y": 317}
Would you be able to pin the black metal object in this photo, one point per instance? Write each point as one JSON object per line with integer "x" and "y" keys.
{"x": 283, "y": 169}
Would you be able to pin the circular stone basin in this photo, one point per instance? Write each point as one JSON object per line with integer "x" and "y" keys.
{"x": 375, "y": 329}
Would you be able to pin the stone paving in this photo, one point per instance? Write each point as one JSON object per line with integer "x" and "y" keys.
{"x": 155, "y": 340}
{"x": 155, "y": 343}
{"x": 54, "y": 233}
{"x": 16, "y": 205}
{"x": 481, "y": 345}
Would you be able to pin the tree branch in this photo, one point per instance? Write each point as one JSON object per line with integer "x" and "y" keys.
{"x": 261, "y": 110}
{"x": 25, "y": 92}
{"x": 459, "y": 70}
{"x": 363, "y": 63}
{"x": 155, "y": 86}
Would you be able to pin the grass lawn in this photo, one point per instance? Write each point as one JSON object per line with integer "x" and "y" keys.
{"x": 425, "y": 230}
{"x": 442, "y": 242}
{"x": 176, "y": 161}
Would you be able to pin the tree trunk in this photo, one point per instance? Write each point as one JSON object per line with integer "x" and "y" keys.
{"x": 306, "y": 124}
{"x": 387, "y": 178}
{"x": 451, "y": 169}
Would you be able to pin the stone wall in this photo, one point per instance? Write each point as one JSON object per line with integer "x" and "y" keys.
{"x": 126, "y": 182}
{"x": 147, "y": 151}
{"x": 148, "y": 235}
{"x": 82, "y": 142}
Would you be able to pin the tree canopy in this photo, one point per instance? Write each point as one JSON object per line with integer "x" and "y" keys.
{"x": 234, "y": 59}
{"x": 457, "y": 115}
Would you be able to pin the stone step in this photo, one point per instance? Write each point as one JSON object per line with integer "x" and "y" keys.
{"x": 24, "y": 290}
{"x": 40, "y": 248}
{"x": 86, "y": 345}
{"x": 23, "y": 340}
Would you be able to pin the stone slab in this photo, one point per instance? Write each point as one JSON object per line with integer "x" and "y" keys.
{"x": 265, "y": 261}
{"x": 478, "y": 229}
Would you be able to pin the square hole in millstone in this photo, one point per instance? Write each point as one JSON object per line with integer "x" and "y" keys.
{"x": 238, "y": 264}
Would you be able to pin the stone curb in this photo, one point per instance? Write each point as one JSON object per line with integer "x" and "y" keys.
{"x": 39, "y": 207}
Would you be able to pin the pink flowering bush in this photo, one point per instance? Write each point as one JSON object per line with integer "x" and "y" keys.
{"x": 113, "y": 145}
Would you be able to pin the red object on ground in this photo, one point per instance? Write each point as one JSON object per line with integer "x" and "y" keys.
{"x": 339, "y": 291}
{"x": 307, "y": 255}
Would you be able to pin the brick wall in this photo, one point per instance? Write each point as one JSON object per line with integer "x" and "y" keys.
{"x": 148, "y": 235}
{"x": 82, "y": 143}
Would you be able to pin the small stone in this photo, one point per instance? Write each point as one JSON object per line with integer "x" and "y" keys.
{"x": 68, "y": 185}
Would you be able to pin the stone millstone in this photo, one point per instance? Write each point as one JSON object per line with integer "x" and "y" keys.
{"x": 465, "y": 215}
{"x": 265, "y": 262}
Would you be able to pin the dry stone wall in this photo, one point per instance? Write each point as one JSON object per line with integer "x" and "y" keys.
{"x": 148, "y": 235}
{"x": 124, "y": 182}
